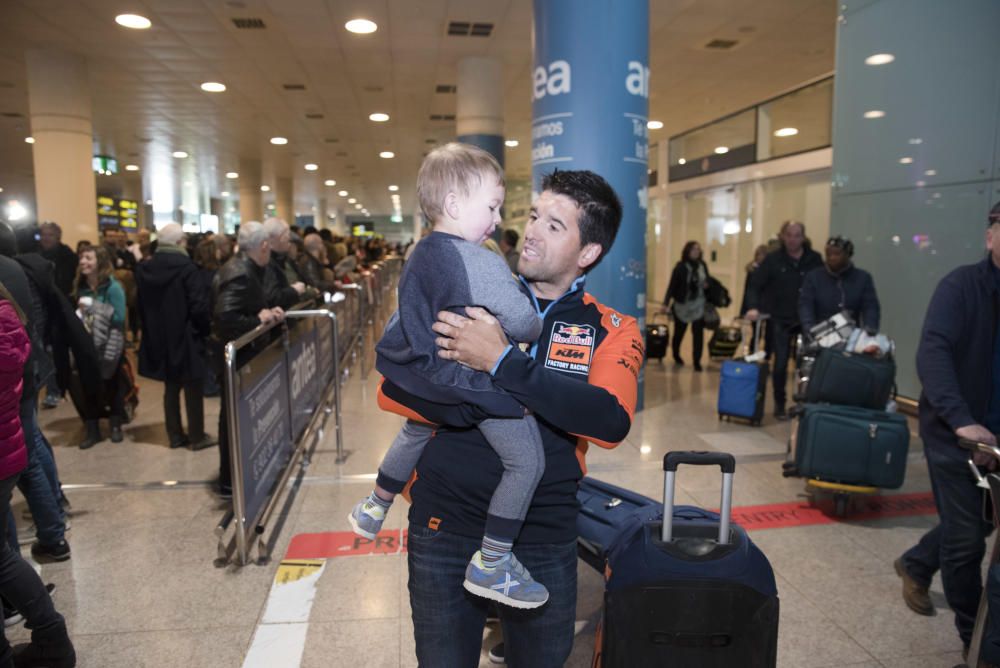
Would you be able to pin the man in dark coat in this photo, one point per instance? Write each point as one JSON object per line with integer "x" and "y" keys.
{"x": 839, "y": 286}
{"x": 173, "y": 306}
{"x": 240, "y": 306}
{"x": 59, "y": 254}
{"x": 279, "y": 292}
{"x": 774, "y": 290}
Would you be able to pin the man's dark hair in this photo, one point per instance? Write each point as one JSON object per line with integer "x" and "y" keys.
{"x": 326, "y": 235}
{"x": 600, "y": 208}
{"x": 8, "y": 242}
{"x": 510, "y": 237}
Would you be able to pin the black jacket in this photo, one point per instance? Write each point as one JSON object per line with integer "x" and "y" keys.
{"x": 65, "y": 261}
{"x": 173, "y": 305}
{"x": 13, "y": 278}
{"x": 277, "y": 291}
{"x": 955, "y": 357}
{"x": 825, "y": 294}
{"x": 775, "y": 284}
{"x": 44, "y": 311}
{"x": 238, "y": 293}
{"x": 312, "y": 273}
{"x": 678, "y": 289}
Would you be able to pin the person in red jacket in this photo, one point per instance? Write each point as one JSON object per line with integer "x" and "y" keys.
{"x": 19, "y": 583}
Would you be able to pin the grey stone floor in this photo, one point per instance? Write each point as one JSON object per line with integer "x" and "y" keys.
{"x": 141, "y": 589}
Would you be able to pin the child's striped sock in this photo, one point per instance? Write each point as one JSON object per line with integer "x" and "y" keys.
{"x": 494, "y": 550}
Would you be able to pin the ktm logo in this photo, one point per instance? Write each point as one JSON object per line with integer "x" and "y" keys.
{"x": 571, "y": 354}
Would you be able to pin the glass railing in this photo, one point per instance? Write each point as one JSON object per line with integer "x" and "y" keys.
{"x": 791, "y": 123}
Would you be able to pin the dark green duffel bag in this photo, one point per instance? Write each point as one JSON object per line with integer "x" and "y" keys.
{"x": 851, "y": 379}
{"x": 852, "y": 445}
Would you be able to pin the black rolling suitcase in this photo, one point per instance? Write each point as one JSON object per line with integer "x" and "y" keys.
{"x": 725, "y": 341}
{"x": 696, "y": 593}
{"x": 657, "y": 338}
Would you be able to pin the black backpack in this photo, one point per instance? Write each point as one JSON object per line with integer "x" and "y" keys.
{"x": 716, "y": 293}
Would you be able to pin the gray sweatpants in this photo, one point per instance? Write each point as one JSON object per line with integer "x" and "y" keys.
{"x": 517, "y": 442}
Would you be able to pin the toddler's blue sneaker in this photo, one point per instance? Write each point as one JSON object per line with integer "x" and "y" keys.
{"x": 508, "y": 582}
{"x": 366, "y": 519}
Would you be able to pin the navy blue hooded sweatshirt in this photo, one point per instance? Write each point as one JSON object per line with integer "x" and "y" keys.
{"x": 955, "y": 359}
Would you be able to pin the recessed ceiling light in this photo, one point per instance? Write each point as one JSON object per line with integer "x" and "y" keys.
{"x": 133, "y": 21}
{"x": 265, "y": 189}
{"x": 905, "y": 161}
{"x": 378, "y": 117}
{"x": 682, "y": 161}
{"x": 393, "y": 188}
{"x": 786, "y": 132}
{"x": 311, "y": 166}
{"x": 1, "y": 190}
{"x": 329, "y": 182}
{"x": 131, "y": 168}
{"x": 654, "y": 125}
{"x": 149, "y": 202}
{"x": 880, "y": 59}
{"x": 916, "y": 140}
{"x": 352, "y": 201}
{"x": 921, "y": 184}
{"x": 387, "y": 154}
{"x": 874, "y": 113}
{"x": 213, "y": 87}
{"x": 279, "y": 141}
{"x": 512, "y": 143}
{"x": 361, "y": 26}
{"x": 187, "y": 184}
{"x": 357, "y": 206}
{"x": 232, "y": 175}
{"x": 721, "y": 149}
{"x": 930, "y": 172}
{"x": 29, "y": 140}
{"x": 225, "y": 193}
{"x": 342, "y": 193}
{"x": 179, "y": 154}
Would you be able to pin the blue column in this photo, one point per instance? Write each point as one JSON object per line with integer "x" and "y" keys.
{"x": 479, "y": 117}
{"x": 590, "y": 91}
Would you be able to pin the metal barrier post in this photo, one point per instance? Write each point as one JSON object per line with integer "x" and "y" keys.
{"x": 235, "y": 457}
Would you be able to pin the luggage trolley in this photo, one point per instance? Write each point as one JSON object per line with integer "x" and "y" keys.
{"x": 984, "y": 650}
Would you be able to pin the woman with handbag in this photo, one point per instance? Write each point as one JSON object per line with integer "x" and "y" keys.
{"x": 685, "y": 301}
{"x": 101, "y": 302}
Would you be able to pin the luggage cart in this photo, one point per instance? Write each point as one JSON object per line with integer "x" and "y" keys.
{"x": 984, "y": 652}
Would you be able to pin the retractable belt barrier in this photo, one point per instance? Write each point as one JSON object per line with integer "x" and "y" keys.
{"x": 282, "y": 383}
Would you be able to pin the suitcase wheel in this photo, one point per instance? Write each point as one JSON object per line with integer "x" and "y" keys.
{"x": 840, "y": 503}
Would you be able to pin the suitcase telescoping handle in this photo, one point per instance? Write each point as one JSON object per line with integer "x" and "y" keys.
{"x": 724, "y": 461}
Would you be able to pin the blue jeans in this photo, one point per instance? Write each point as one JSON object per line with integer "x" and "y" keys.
{"x": 957, "y": 544}
{"x": 36, "y": 483}
{"x": 448, "y": 621}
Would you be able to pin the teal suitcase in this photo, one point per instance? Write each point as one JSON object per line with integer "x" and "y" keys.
{"x": 856, "y": 446}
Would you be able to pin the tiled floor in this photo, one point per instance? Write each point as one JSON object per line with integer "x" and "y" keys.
{"x": 141, "y": 588}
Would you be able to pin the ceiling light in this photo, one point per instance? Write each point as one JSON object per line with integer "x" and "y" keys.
{"x": 352, "y": 201}
{"x": 357, "y": 206}
{"x": 329, "y": 182}
{"x": 387, "y": 154}
{"x": 29, "y": 140}
{"x": 378, "y": 117}
{"x": 905, "y": 161}
{"x": 232, "y": 175}
{"x": 179, "y": 154}
{"x": 654, "y": 125}
{"x": 682, "y": 161}
{"x": 721, "y": 149}
{"x": 361, "y": 26}
{"x": 1, "y": 190}
{"x": 916, "y": 140}
{"x": 149, "y": 202}
{"x": 393, "y": 188}
{"x": 133, "y": 21}
{"x": 342, "y": 193}
{"x": 225, "y": 193}
{"x": 265, "y": 189}
{"x": 921, "y": 184}
{"x": 187, "y": 184}
{"x": 874, "y": 113}
{"x": 131, "y": 168}
{"x": 311, "y": 166}
{"x": 512, "y": 143}
{"x": 880, "y": 59}
{"x": 213, "y": 87}
{"x": 15, "y": 210}
{"x": 786, "y": 132}
{"x": 930, "y": 172}
{"x": 279, "y": 141}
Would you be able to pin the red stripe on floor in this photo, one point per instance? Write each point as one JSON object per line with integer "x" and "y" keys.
{"x": 804, "y": 513}
{"x": 771, "y": 516}
{"x": 344, "y": 544}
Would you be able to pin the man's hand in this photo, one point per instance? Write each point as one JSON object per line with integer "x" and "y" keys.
{"x": 476, "y": 341}
{"x": 299, "y": 287}
{"x": 266, "y": 316}
{"x": 752, "y": 315}
{"x": 278, "y": 313}
{"x": 980, "y": 434}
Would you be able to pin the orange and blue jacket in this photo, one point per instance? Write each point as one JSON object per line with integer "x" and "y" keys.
{"x": 579, "y": 379}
